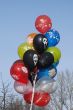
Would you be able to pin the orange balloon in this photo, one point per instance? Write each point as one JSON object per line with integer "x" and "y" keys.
{"x": 30, "y": 38}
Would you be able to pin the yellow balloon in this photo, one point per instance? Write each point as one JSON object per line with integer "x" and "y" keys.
{"x": 56, "y": 53}
{"x": 23, "y": 48}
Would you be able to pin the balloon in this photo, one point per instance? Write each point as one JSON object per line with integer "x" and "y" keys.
{"x": 30, "y": 59}
{"x": 48, "y": 72}
{"x": 30, "y": 38}
{"x": 41, "y": 98}
{"x": 55, "y": 52}
{"x": 43, "y": 23}
{"x": 27, "y": 97}
{"x": 45, "y": 60}
{"x": 46, "y": 84}
{"x": 22, "y": 88}
{"x": 19, "y": 72}
{"x": 40, "y": 43}
{"x": 23, "y": 48}
{"x": 53, "y": 37}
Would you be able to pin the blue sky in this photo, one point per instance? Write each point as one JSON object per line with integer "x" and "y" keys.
{"x": 17, "y": 18}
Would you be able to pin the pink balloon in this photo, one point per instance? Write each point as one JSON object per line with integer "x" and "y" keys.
{"x": 22, "y": 88}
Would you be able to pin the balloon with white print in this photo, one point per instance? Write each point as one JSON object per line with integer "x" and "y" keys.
{"x": 43, "y": 23}
{"x": 53, "y": 37}
{"x": 40, "y": 43}
{"x": 19, "y": 72}
{"x": 30, "y": 59}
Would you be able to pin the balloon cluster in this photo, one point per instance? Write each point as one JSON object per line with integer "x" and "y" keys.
{"x": 39, "y": 57}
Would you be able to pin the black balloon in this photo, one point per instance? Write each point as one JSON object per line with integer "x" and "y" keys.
{"x": 45, "y": 60}
{"x": 31, "y": 77}
{"x": 40, "y": 43}
{"x": 30, "y": 59}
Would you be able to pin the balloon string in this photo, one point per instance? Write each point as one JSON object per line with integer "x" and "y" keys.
{"x": 34, "y": 81}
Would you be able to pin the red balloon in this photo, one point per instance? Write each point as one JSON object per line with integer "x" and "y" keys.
{"x": 28, "y": 97}
{"x": 43, "y": 23}
{"x": 19, "y": 72}
{"x": 41, "y": 98}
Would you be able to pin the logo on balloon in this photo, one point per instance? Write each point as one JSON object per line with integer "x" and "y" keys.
{"x": 24, "y": 69}
{"x": 45, "y": 42}
{"x": 35, "y": 59}
{"x": 15, "y": 76}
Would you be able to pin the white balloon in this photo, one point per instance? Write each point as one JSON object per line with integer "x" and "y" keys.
{"x": 46, "y": 84}
{"x": 22, "y": 88}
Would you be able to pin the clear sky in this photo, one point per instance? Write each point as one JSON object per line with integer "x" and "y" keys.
{"x": 17, "y": 19}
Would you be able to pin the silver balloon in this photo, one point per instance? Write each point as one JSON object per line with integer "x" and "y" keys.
{"x": 22, "y": 88}
{"x": 46, "y": 84}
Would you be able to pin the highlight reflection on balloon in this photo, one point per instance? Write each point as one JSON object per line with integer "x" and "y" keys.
{"x": 46, "y": 84}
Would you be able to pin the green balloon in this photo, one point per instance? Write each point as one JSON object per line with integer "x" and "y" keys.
{"x": 23, "y": 48}
{"x": 56, "y": 53}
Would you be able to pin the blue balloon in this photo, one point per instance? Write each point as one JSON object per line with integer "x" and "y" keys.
{"x": 55, "y": 64}
{"x": 48, "y": 72}
{"x": 53, "y": 37}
